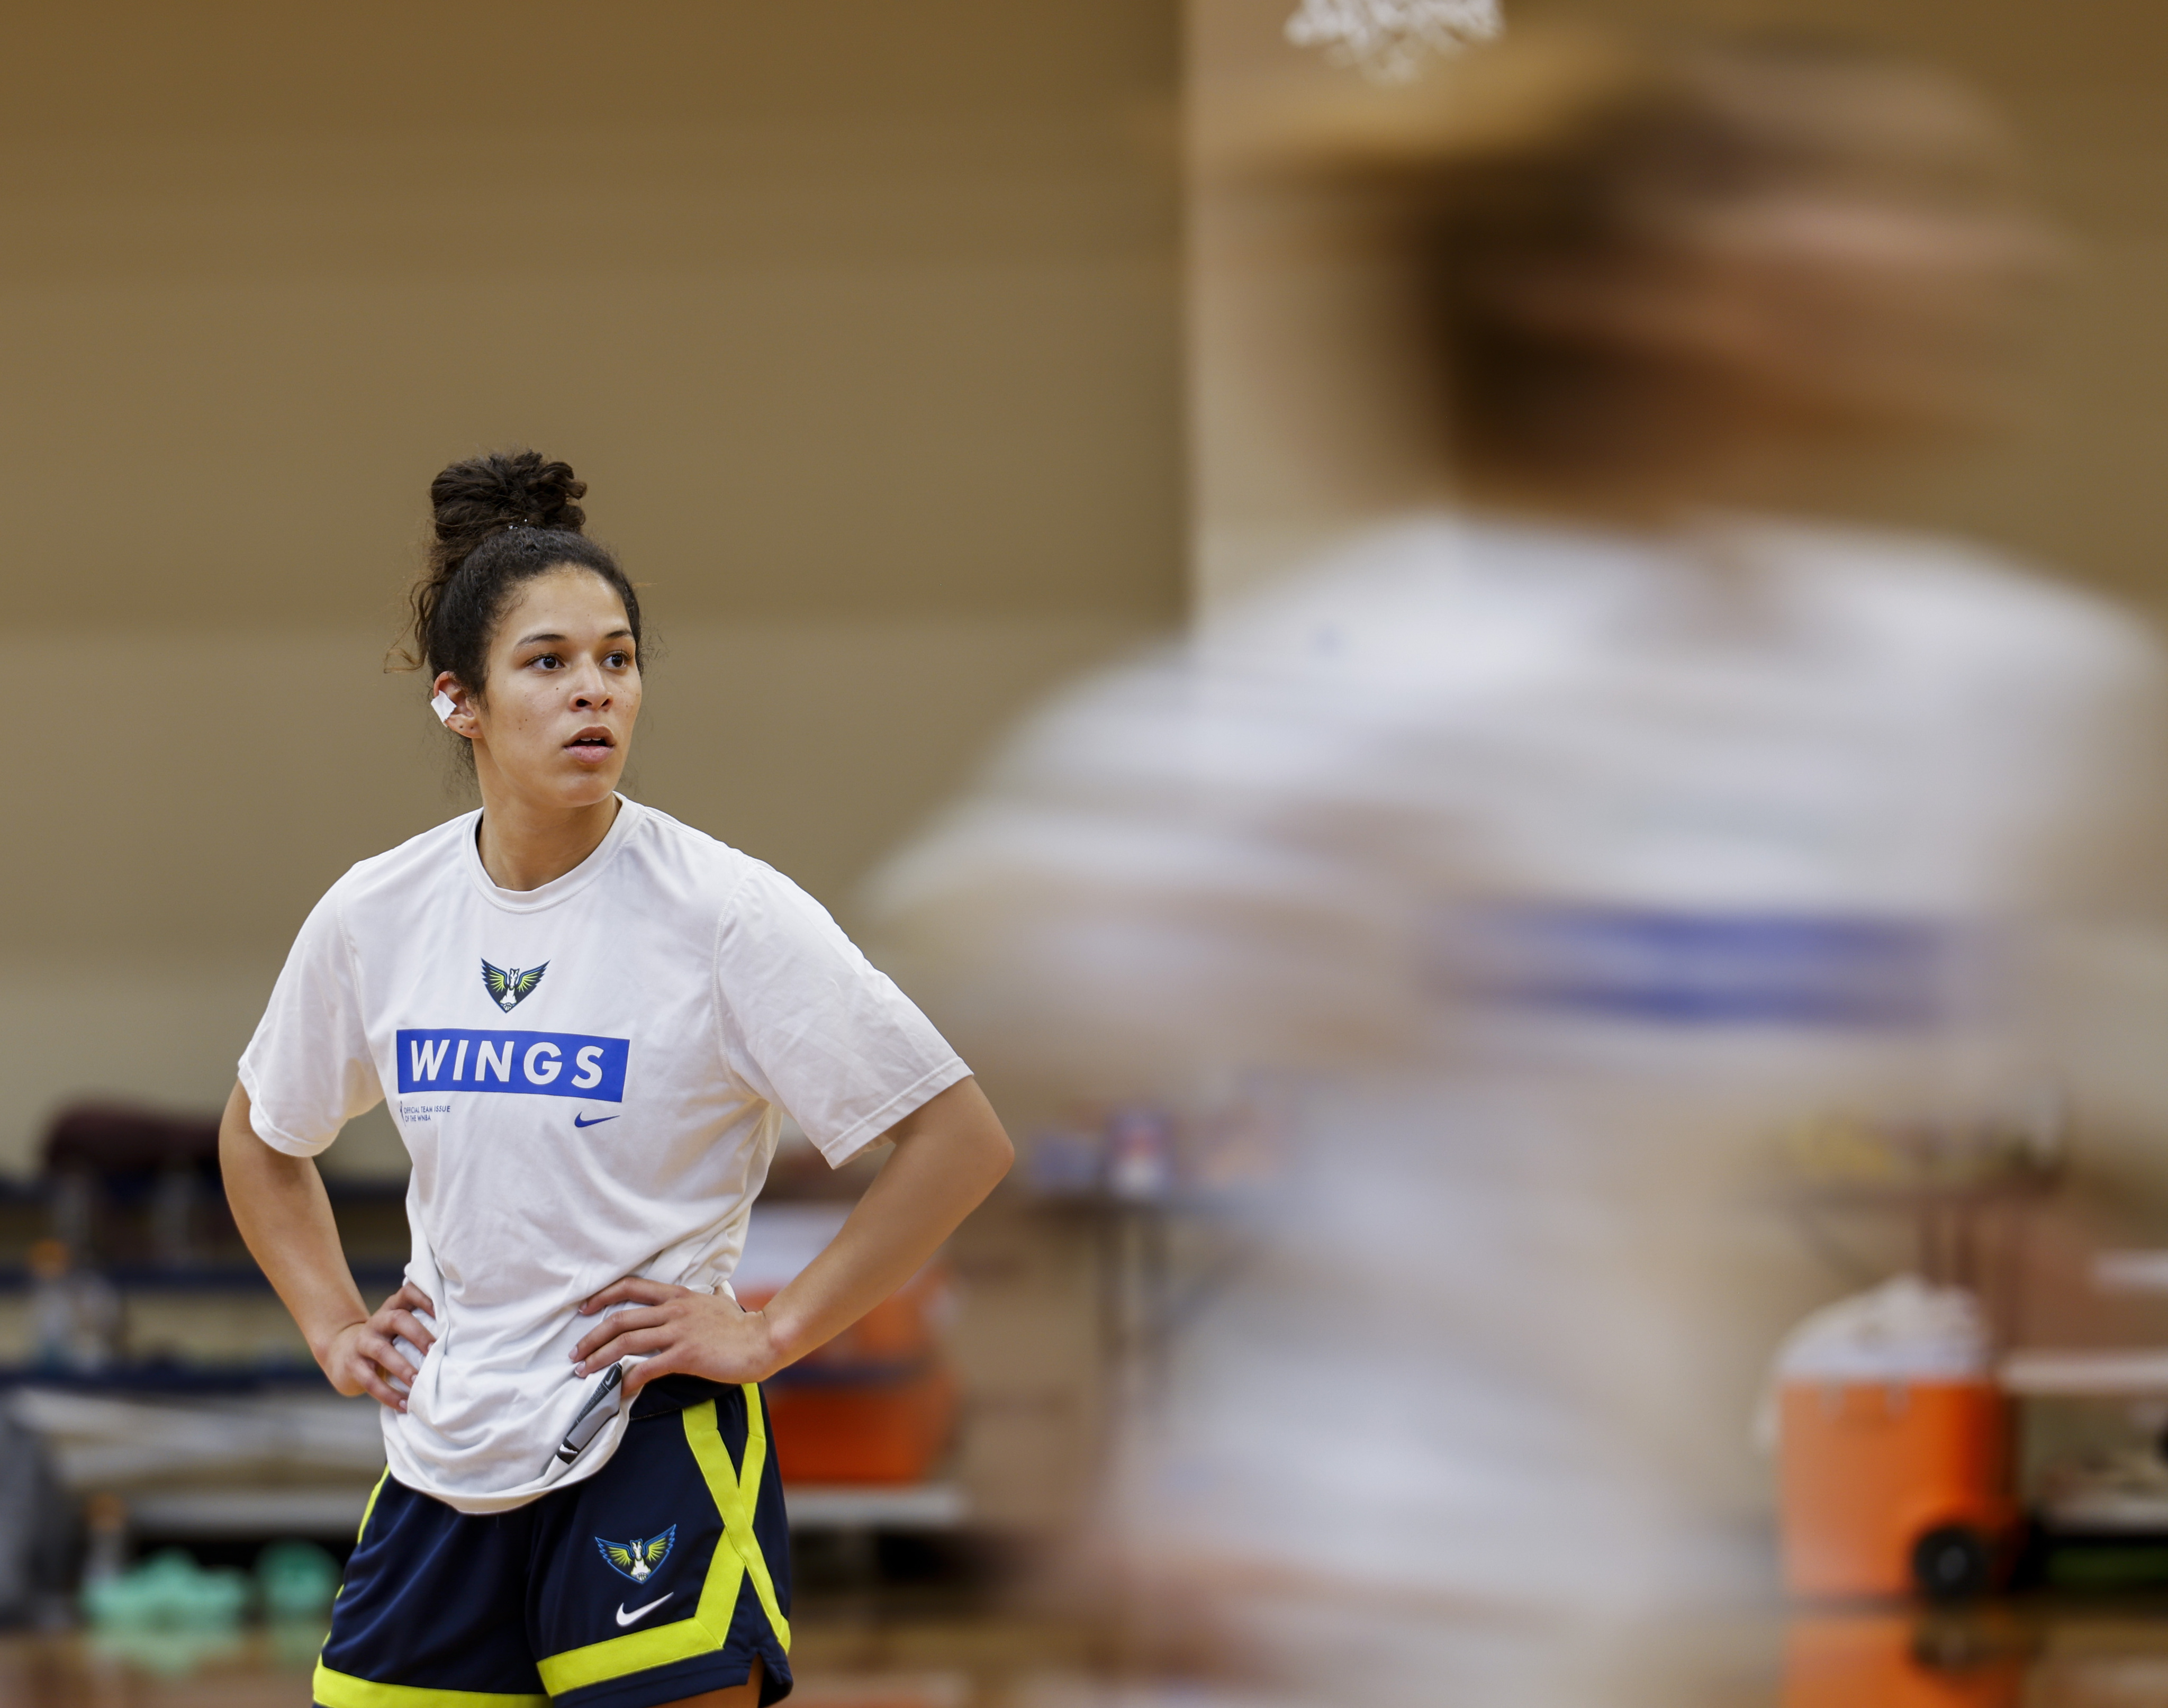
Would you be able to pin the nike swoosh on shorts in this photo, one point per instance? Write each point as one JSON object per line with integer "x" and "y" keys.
{"x": 639, "y": 1613}
{"x": 579, "y": 1121}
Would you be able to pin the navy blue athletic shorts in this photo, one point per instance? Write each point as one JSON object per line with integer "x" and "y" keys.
{"x": 662, "y": 1575}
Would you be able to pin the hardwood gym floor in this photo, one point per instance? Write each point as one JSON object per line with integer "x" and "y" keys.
{"x": 847, "y": 1657}
{"x": 871, "y": 1655}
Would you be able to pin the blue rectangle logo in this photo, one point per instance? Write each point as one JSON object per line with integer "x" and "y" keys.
{"x": 540, "y": 1064}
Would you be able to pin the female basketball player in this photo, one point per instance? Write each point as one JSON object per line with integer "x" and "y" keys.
{"x": 589, "y": 1020}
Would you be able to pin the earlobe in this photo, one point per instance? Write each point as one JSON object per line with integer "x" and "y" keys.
{"x": 452, "y": 713}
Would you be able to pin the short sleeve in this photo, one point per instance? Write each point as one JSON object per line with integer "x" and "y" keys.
{"x": 308, "y": 1071}
{"x": 815, "y": 1028}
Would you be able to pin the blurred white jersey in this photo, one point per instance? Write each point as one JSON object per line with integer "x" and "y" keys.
{"x": 1525, "y": 885}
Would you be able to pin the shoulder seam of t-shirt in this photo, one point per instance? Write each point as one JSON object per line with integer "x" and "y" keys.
{"x": 726, "y": 1012}
{"x": 352, "y": 955}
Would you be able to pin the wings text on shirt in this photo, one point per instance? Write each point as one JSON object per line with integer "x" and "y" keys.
{"x": 540, "y": 1064}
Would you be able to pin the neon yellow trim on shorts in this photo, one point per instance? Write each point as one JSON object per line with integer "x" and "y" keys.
{"x": 744, "y": 1490}
{"x": 338, "y": 1690}
{"x": 361, "y": 1529}
{"x": 734, "y": 1492}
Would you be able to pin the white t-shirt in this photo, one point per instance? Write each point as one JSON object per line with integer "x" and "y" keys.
{"x": 589, "y": 1078}
{"x": 1507, "y": 894}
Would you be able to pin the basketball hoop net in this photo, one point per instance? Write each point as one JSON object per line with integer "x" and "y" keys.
{"x": 1386, "y": 39}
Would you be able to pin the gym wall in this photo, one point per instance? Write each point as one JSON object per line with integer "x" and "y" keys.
{"x": 1287, "y": 448}
{"x": 861, "y": 321}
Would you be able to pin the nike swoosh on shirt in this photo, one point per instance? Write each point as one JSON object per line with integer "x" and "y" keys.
{"x": 582, "y": 1121}
{"x": 638, "y": 1613}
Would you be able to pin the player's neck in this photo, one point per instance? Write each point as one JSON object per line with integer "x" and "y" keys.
{"x": 524, "y": 845}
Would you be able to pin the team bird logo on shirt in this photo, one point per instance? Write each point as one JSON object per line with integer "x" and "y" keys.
{"x": 637, "y": 1559}
{"x": 509, "y": 989}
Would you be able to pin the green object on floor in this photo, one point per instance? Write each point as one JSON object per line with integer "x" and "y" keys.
{"x": 296, "y": 1580}
{"x": 2109, "y": 1567}
{"x": 169, "y": 1589}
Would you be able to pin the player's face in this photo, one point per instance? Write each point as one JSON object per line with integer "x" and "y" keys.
{"x": 563, "y": 692}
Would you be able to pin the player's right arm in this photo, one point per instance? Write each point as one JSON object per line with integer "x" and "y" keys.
{"x": 284, "y": 1216}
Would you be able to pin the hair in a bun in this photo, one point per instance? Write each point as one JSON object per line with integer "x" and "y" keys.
{"x": 498, "y": 520}
{"x": 472, "y": 500}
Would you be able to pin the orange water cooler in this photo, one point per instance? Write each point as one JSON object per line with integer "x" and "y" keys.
{"x": 1895, "y": 1463}
{"x": 1895, "y": 1487}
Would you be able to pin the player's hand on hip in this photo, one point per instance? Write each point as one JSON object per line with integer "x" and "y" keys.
{"x": 362, "y": 1358}
{"x": 675, "y": 1329}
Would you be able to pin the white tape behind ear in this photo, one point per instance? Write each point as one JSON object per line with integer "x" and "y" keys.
{"x": 443, "y": 705}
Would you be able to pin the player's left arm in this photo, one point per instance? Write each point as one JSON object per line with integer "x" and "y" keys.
{"x": 948, "y": 1154}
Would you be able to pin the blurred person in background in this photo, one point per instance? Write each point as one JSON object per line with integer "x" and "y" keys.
{"x": 1497, "y": 893}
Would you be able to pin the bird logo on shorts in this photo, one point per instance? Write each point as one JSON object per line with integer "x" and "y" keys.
{"x": 508, "y": 990}
{"x": 637, "y": 1559}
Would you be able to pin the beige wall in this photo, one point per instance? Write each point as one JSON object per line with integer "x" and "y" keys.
{"x": 1285, "y": 451}
{"x": 861, "y": 321}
